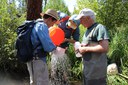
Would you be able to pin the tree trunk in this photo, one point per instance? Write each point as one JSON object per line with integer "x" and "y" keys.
{"x": 34, "y": 8}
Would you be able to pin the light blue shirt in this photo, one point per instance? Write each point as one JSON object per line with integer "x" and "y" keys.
{"x": 40, "y": 38}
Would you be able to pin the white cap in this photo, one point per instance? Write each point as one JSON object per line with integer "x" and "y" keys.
{"x": 72, "y": 22}
{"x": 86, "y": 12}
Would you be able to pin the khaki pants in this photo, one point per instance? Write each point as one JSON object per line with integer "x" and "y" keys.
{"x": 38, "y": 72}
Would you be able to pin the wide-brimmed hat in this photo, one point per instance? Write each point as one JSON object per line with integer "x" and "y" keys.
{"x": 51, "y": 12}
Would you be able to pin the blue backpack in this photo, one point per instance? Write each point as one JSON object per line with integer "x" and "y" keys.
{"x": 23, "y": 44}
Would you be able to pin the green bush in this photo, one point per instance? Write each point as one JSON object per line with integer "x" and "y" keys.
{"x": 58, "y": 5}
{"x": 8, "y": 23}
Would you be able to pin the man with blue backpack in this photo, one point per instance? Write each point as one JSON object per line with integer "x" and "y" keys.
{"x": 41, "y": 45}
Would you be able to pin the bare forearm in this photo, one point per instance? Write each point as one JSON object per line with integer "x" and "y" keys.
{"x": 102, "y": 46}
{"x": 97, "y": 48}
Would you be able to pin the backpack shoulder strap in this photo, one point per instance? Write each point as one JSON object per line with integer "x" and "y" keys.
{"x": 72, "y": 31}
{"x": 63, "y": 19}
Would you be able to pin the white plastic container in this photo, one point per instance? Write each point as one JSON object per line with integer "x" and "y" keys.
{"x": 77, "y": 45}
{"x": 112, "y": 69}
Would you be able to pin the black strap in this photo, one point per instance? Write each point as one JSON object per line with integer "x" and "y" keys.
{"x": 91, "y": 33}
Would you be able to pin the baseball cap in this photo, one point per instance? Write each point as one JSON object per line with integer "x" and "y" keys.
{"x": 61, "y": 14}
{"x": 51, "y": 12}
{"x": 86, "y": 12}
{"x": 72, "y": 22}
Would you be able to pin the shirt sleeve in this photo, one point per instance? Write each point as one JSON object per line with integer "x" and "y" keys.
{"x": 43, "y": 34}
{"x": 102, "y": 33}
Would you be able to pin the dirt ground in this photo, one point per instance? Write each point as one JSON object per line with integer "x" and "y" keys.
{"x": 14, "y": 79}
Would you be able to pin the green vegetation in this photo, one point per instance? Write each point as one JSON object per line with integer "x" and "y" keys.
{"x": 58, "y": 5}
{"x": 8, "y": 22}
{"x": 111, "y": 13}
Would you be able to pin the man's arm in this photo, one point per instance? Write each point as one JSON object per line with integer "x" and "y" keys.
{"x": 101, "y": 47}
{"x": 44, "y": 38}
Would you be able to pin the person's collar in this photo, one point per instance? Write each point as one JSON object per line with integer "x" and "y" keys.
{"x": 92, "y": 25}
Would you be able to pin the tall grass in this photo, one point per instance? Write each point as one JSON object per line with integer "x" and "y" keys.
{"x": 119, "y": 46}
{"x": 118, "y": 53}
{"x": 76, "y": 63}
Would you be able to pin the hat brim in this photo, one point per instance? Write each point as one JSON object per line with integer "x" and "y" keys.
{"x": 71, "y": 25}
{"x": 42, "y": 14}
{"x": 79, "y": 17}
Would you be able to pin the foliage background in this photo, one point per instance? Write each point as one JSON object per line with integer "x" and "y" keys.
{"x": 111, "y": 13}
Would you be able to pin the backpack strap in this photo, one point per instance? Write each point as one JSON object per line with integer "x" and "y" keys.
{"x": 72, "y": 31}
{"x": 64, "y": 19}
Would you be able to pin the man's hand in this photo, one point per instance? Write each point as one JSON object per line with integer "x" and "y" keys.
{"x": 101, "y": 47}
{"x": 82, "y": 50}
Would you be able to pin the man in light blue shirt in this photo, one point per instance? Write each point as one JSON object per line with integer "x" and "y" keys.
{"x": 42, "y": 43}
